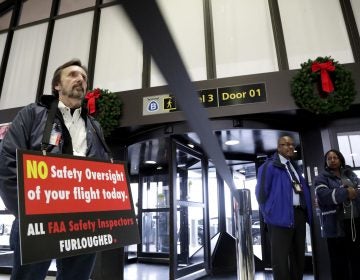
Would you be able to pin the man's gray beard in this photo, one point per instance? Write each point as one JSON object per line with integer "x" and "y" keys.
{"x": 79, "y": 94}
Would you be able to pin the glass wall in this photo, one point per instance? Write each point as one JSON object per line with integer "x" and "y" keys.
{"x": 27, "y": 11}
{"x": 234, "y": 37}
{"x": 5, "y": 227}
{"x": 23, "y": 65}
{"x": 67, "y": 6}
{"x": 5, "y": 20}
{"x": 356, "y": 9}
{"x": 188, "y": 36}
{"x": 119, "y": 58}
{"x": 303, "y": 41}
{"x": 71, "y": 39}
{"x": 350, "y": 148}
{"x": 244, "y": 42}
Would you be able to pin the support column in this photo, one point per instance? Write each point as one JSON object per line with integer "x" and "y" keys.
{"x": 244, "y": 246}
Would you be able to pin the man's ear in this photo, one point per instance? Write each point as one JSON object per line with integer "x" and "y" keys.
{"x": 57, "y": 87}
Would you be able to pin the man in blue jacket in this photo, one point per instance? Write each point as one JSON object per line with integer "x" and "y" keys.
{"x": 285, "y": 203}
{"x": 71, "y": 131}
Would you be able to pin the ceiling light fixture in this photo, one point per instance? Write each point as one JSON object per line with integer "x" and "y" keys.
{"x": 150, "y": 162}
{"x": 232, "y": 142}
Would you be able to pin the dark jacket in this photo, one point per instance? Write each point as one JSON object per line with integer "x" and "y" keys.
{"x": 331, "y": 194}
{"x": 26, "y": 132}
{"x": 274, "y": 193}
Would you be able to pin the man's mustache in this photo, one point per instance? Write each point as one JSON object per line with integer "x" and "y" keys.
{"x": 79, "y": 86}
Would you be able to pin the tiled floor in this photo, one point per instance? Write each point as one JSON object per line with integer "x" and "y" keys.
{"x": 150, "y": 272}
{"x": 7, "y": 277}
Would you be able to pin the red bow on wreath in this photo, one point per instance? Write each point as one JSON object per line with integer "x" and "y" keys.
{"x": 326, "y": 82}
{"x": 91, "y": 97}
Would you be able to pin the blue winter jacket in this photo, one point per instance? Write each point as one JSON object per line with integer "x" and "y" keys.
{"x": 26, "y": 132}
{"x": 274, "y": 193}
{"x": 331, "y": 195}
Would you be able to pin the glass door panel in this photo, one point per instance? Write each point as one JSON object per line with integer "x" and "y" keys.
{"x": 131, "y": 250}
{"x": 155, "y": 214}
{"x": 214, "y": 205}
{"x": 155, "y": 232}
{"x": 190, "y": 212}
{"x": 191, "y": 236}
{"x": 155, "y": 193}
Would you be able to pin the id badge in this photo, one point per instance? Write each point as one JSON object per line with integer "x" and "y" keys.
{"x": 297, "y": 187}
{"x": 55, "y": 137}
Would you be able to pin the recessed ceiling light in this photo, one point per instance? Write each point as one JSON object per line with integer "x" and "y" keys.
{"x": 232, "y": 142}
{"x": 150, "y": 162}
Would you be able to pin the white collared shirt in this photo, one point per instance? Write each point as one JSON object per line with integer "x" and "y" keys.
{"x": 296, "y": 197}
{"x": 77, "y": 129}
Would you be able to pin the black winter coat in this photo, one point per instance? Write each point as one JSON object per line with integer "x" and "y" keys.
{"x": 331, "y": 196}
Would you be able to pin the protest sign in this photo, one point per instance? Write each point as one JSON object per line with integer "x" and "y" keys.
{"x": 72, "y": 205}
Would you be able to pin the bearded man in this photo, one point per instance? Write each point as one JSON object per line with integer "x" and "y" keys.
{"x": 58, "y": 124}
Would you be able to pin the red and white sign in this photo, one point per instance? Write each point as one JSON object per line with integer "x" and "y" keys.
{"x": 74, "y": 205}
{"x": 63, "y": 185}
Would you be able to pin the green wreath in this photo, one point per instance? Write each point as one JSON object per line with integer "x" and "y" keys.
{"x": 105, "y": 107}
{"x": 308, "y": 90}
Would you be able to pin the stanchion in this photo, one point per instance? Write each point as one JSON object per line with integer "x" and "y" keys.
{"x": 244, "y": 246}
